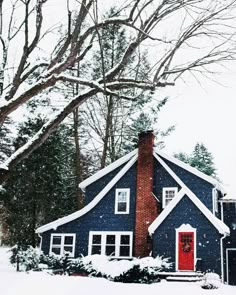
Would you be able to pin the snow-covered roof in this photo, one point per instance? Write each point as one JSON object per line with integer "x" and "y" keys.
{"x": 190, "y": 169}
{"x": 108, "y": 169}
{"x": 219, "y": 225}
{"x": 93, "y": 203}
{"x": 230, "y": 195}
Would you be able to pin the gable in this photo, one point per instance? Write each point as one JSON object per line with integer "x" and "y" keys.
{"x": 93, "y": 203}
{"x": 172, "y": 161}
{"x": 218, "y": 224}
{"x": 108, "y": 169}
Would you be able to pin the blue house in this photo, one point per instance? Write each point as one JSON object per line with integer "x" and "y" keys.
{"x": 148, "y": 203}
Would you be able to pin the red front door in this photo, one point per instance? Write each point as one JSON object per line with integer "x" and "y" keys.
{"x": 186, "y": 251}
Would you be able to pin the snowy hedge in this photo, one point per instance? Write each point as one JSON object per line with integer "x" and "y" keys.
{"x": 143, "y": 270}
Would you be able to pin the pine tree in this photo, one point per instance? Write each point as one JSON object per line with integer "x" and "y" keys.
{"x": 5, "y": 140}
{"x": 200, "y": 159}
{"x": 41, "y": 188}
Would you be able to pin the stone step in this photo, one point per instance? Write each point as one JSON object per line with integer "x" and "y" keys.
{"x": 184, "y": 278}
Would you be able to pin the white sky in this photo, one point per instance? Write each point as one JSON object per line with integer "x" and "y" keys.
{"x": 205, "y": 113}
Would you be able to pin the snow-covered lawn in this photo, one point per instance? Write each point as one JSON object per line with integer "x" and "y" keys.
{"x": 13, "y": 283}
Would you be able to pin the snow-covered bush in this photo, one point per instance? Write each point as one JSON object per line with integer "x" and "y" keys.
{"x": 58, "y": 264}
{"x": 211, "y": 281}
{"x": 144, "y": 270}
{"x": 26, "y": 258}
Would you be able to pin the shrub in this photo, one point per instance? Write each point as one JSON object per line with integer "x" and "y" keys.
{"x": 211, "y": 281}
{"x": 144, "y": 270}
{"x": 25, "y": 258}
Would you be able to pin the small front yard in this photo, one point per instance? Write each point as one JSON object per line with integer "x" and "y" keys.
{"x": 39, "y": 283}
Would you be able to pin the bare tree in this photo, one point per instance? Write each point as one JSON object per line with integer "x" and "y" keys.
{"x": 174, "y": 28}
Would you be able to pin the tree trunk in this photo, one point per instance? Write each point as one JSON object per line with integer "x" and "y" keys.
{"x": 78, "y": 166}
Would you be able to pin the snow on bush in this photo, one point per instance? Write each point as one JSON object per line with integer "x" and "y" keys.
{"x": 25, "y": 259}
{"x": 143, "y": 270}
{"x": 211, "y": 281}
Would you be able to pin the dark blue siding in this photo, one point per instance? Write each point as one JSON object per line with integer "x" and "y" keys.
{"x": 101, "y": 217}
{"x": 207, "y": 236}
{"x": 162, "y": 179}
{"x": 201, "y": 188}
{"x": 94, "y": 188}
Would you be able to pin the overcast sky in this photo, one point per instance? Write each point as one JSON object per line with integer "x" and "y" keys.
{"x": 205, "y": 113}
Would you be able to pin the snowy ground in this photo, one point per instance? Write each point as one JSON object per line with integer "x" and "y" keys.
{"x": 13, "y": 283}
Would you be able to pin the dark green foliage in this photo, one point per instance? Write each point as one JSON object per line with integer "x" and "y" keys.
{"x": 41, "y": 187}
{"x": 200, "y": 159}
{"x": 5, "y": 140}
{"x": 24, "y": 257}
{"x": 138, "y": 275}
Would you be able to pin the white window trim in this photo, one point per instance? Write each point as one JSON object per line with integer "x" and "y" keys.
{"x": 128, "y": 200}
{"x": 117, "y": 245}
{"x": 215, "y": 205}
{"x": 164, "y": 190}
{"x": 227, "y": 263}
{"x": 185, "y": 228}
{"x": 62, "y": 243}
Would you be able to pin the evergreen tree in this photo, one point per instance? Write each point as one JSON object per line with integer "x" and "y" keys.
{"x": 5, "y": 140}
{"x": 41, "y": 188}
{"x": 200, "y": 159}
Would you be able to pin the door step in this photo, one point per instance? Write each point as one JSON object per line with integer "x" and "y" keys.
{"x": 183, "y": 279}
{"x": 181, "y": 276}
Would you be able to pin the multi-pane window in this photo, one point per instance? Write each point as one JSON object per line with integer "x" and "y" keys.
{"x": 117, "y": 244}
{"x": 168, "y": 195}
{"x": 62, "y": 244}
{"x": 122, "y": 201}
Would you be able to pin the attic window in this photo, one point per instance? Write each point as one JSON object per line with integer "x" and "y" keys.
{"x": 122, "y": 201}
{"x": 168, "y": 193}
{"x": 62, "y": 243}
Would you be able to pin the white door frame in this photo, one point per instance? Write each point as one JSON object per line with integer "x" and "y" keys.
{"x": 185, "y": 228}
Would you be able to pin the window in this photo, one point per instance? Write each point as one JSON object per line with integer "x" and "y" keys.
{"x": 168, "y": 195}
{"x": 62, "y": 243}
{"x": 122, "y": 201}
{"x": 117, "y": 244}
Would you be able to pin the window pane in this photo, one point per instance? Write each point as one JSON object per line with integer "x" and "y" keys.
{"x": 124, "y": 239}
{"x": 57, "y": 251}
{"x": 96, "y": 249}
{"x": 110, "y": 250}
{"x": 124, "y": 251}
{"x": 111, "y": 239}
{"x": 122, "y": 197}
{"x": 97, "y": 239}
{"x": 56, "y": 240}
{"x": 68, "y": 240}
{"x": 168, "y": 201}
{"x": 68, "y": 249}
{"x": 122, "y": 207}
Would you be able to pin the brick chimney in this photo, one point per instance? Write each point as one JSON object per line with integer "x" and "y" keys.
{"x": 146, "y": 205}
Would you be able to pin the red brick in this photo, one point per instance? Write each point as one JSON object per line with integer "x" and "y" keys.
{"x": 146, "y": 205}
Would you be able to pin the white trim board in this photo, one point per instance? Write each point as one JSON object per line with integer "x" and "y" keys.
{"x": 92, "y": 204}
{"x": 218, "y": 224}
{"x": 190, "y": 169}
{"x": 107, "y": 169}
